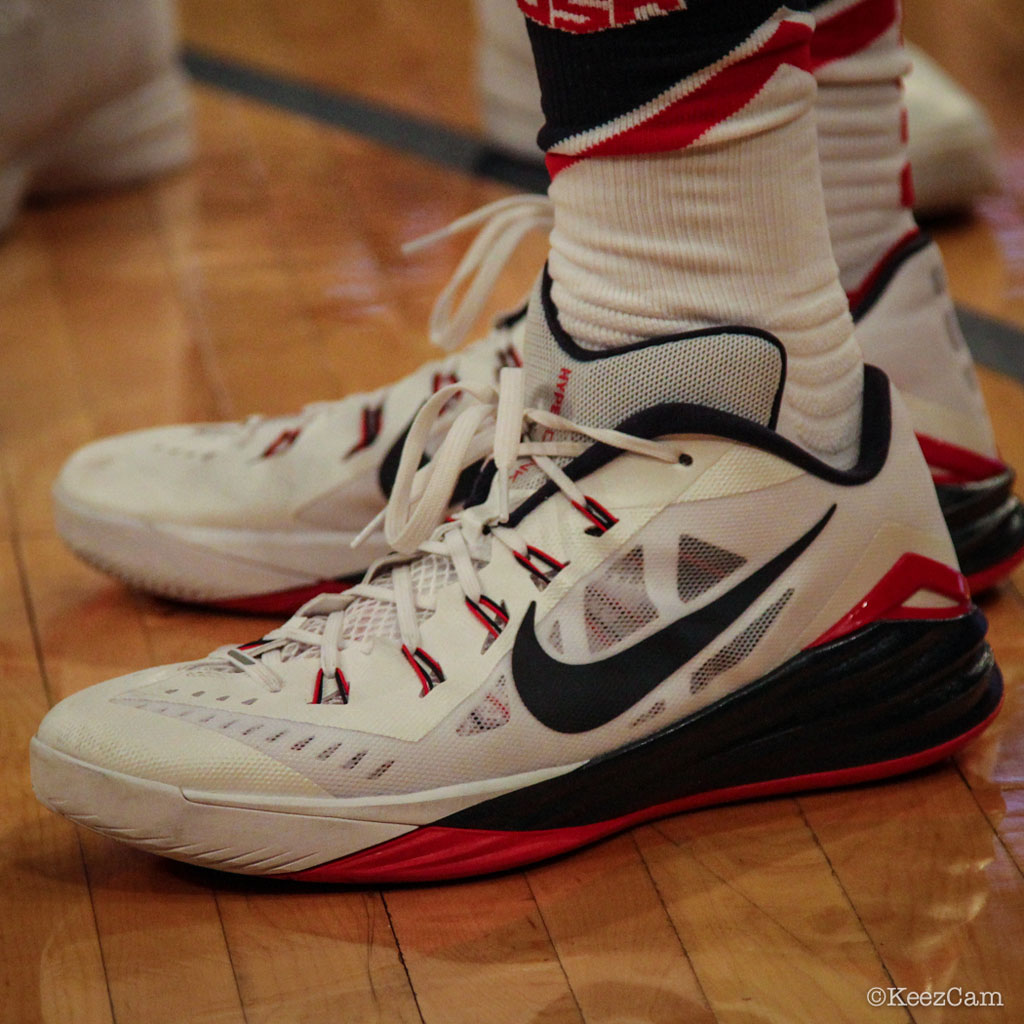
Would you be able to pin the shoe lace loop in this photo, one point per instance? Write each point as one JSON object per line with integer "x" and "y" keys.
{"x": 506, "y": 223}
{"x": 495, "y": 424}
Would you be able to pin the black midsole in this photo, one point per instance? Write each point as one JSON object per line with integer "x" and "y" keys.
{"x": 887, "y": 692}
{"x": 985, "y": 520}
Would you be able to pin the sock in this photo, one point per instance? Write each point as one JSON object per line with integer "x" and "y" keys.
{"x": 858, "y": 59}
{"x": 686, "y": 189}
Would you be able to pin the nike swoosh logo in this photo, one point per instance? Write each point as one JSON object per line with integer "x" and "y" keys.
{"x": 577, "y": 698}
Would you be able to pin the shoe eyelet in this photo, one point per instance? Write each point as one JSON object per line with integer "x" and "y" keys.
{"x": 602, "y": 519}
{"x": 685, "y": 460}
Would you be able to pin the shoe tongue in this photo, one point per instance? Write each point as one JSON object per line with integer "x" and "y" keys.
{"x": 734, "y": 369}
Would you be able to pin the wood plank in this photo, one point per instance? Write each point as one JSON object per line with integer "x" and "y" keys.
{"x": 51, "y": 967}
{"x": 42, "y": 416}
{"x": 479, "y": 951}
{"x": 309, "y": 954}
{"x": 614, "y": 939}
{"x": 767, "y": 927}
{"x": 416, "y": 58}
{"x": 935, "y": 889}
{"x": 157, "y": 923}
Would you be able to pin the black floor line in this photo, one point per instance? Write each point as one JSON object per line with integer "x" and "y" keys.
{"x": 415, "y": 136}
{"x": 994, "y": 343}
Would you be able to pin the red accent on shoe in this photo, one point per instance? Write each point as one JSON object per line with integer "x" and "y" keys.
{"x": 499, "y": 613}
{"x": 984, "y": 579}
{"x": 553, "y": 565}
{"x": 281, "y": 443}
{"x": 683, "y": 122}
{"x": 343, "y": 687}
{"x": 488, "y": 625}
{"x": 420, "y": 674}
{"x": 911, "y": 574}
{"x": 951, "y": 464}
{"x": 318, "y": 687}
{"x": 369, "y": 431}
{"x": 417, "y": 659}
{"x": 867, "y": 286}
{"x": 433, "y": 852}
{"x": 280, "y": 602}
{"x": 597, "y": 514}
{"x": 851, "y": 30}
{"x": 508, "y": 357}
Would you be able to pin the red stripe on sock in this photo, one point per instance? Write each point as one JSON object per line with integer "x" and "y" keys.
{"x": 852, "y": 30}
{"x": 907, "y": 187}
{"x": 693, "y": 115}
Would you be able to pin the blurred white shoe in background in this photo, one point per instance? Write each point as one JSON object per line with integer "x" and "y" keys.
{"x": 91, "y": 95}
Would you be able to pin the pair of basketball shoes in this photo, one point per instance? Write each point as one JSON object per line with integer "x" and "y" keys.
{"x": 592, "y": 603}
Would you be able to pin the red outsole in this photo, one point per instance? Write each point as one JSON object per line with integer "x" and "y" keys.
{"x": 435, "y": 853}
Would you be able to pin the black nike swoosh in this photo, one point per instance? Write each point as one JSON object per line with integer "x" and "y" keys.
{"x": 577, "y": 698}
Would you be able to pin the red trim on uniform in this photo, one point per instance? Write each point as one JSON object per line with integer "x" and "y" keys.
{"x": 852, "y": 30}
{"x": 857, "y": 296}
{"x": 581, "y": 17}
{"x": 683, "y": 122}
{"x": 911, "y": 574}
{"x": 281, "y": 602}
{"x": 433, "y": 853}
{"x": 951, "y": 464}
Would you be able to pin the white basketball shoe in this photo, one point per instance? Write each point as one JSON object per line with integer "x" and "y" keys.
{"x": 652, "y": 602}
{"x": 90, "y": 96}
{"x": 259, "y": 516}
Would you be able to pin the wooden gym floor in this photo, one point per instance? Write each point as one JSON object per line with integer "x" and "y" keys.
{"x": 270, "y": 276}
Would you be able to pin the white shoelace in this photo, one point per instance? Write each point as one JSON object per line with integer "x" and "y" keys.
{"x": 495, "y": 424}
{"x": 506, "y": 223}
{"x": 503, "y": 224}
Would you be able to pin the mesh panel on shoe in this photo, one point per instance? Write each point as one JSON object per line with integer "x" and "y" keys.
{"x": 731, "y": 370}
{"x": 491, "y": 713}
{"x": 616, "y": 605}
{"x": 657, "y": 708}
{"x": 314, "y": 751}
{"x": 740, "y": 647}
{"x": 701, "y": 565}
{"x": 555, "y": 638}
{"x": 366, "y": 616}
